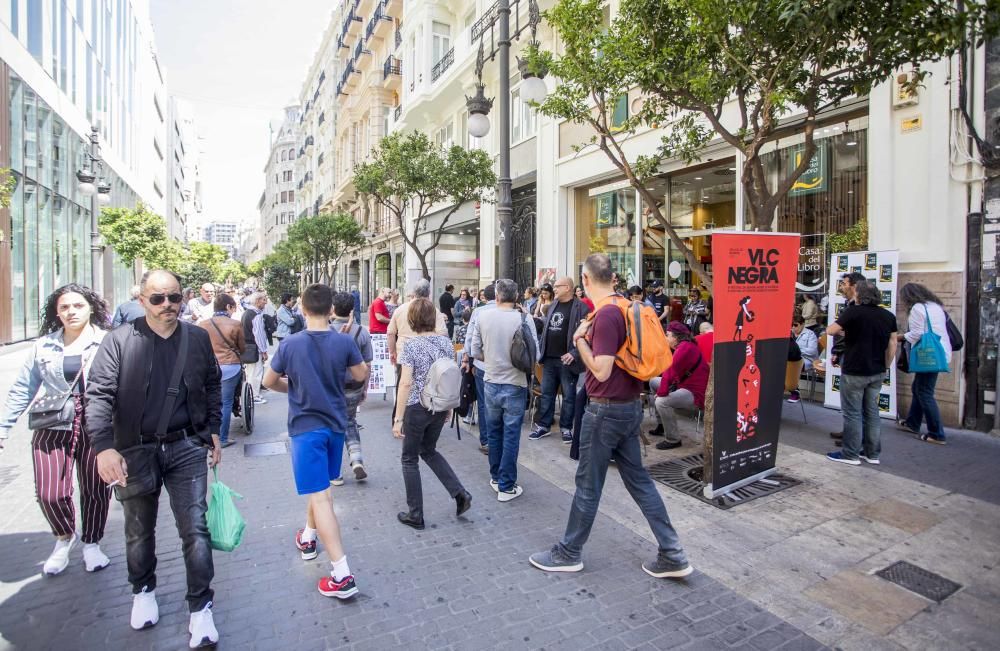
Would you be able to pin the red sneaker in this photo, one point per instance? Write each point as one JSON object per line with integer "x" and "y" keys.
{"x": 308, "y": 549}
{"x": 343, "y": 589}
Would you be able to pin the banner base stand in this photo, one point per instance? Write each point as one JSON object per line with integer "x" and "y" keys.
{"x": 710, "y": 493}
{"x": 684, "y": 474}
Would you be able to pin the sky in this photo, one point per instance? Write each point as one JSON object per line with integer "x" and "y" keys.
{"x": 238, "y": 63}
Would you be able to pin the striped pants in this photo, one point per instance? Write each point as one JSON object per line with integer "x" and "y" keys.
{"x": 53, "y": 453}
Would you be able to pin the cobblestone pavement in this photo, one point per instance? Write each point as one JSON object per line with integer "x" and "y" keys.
{"x": 463, "y": 583}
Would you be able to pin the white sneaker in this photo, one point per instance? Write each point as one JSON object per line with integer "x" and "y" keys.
{"x": 874, "y": 462}
{"x": 202, "y": 628}
{"x": 259, "y": 401}
{"x": 145, "y": 612}
{"x": 59, "y": 558}
{"x": 495, "y": 485}
{"x": 93, "y": 558}
{"x": 506, "y": 496}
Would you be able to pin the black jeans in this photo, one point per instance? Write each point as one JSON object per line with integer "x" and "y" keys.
{"x": 421, "y": 430}
{"x": 184, "y": 472}
{"x": 556, "y": 375}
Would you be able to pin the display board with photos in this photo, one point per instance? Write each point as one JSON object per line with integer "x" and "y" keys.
{"x": 383, "y": 374}
{"x": 881, "y": 268}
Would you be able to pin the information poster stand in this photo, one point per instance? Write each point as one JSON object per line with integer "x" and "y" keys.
{"x": 881, "y": 268}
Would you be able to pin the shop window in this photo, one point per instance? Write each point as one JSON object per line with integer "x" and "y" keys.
{"x": 620, "y": 113}
{"x": 606, "y": 223}
{"x": 383, "y": 270}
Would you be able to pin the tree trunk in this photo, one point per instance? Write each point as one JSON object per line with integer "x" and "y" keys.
{"x": 709, "y": 426}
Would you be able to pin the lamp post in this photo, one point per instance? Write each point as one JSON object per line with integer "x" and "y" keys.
{"x": 479, "y": 107}
{"x": 93, "y": 185}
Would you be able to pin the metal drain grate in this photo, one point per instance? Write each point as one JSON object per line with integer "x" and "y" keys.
{"x": 917, "y": 579}
{"x": 684, "y": 474}
{"x": 265, "y": 449}
{"x": 7, "y": 476}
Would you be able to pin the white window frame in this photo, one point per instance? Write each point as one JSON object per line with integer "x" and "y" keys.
{"x": 440, "y": 41}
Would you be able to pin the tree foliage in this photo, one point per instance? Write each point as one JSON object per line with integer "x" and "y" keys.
{"x": 411, "y": 176}
{"x": 8, "y": 183}
{"x": 232, "y": 272}
{"x": 133, "y": 233}
{"x": 320, "y": 242}
{"x": 854, "y": 238}
{"x": 735, "y": 68}
{"x": 278, "y": 279}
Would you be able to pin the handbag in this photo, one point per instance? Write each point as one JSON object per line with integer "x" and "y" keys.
{"x": 142, "y": 466}
{"x": 954, "y": 334}
{"x": 928, "y": 355}
{"x": 248, "y": 356}
{"x": 52, "y": 410}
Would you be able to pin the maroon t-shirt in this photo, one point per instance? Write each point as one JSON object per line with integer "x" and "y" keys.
{"x": 607, "y": 334}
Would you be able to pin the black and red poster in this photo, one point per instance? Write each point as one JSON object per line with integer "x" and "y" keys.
{"x": 754, "y": 291}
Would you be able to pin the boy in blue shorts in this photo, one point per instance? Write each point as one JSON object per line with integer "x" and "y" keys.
{"x": 310, "y": 366}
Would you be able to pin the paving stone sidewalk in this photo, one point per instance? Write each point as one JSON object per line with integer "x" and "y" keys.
{"x": 463, "y": 583}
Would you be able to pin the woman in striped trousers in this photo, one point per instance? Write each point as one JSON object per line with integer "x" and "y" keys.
{"x": 56, "y": 374}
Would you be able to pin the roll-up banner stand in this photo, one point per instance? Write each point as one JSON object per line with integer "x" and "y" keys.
{"x": 882, "y": 269}
{"x": 753, "y": 292}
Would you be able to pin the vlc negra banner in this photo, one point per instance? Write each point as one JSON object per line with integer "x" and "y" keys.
{"x": 753, "y": 290}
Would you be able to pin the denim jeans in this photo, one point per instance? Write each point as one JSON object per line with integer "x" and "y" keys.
{"x": 859, "y": 403}
{"x": 228, "y": 393}
{"x": 352, "y": 437}
{"x": 556, "y": 375}
{"x": 612, "y": 432}
{"x": 505, "y": 414}
{"x": 924, "y": 406}
{"x": 184, "y": 473}
{"x": 484, "y": 428}
{"x": 421, "y": 431}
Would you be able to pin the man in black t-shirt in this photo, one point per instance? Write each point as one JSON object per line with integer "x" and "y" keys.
{"x": 660, "y": 301}
{"x": 869, "y": 348}
{"x": 560, "y": 361}
{"x": 447, "y": 304}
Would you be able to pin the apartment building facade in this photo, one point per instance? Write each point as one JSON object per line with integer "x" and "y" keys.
{"x": 277, "y": 203}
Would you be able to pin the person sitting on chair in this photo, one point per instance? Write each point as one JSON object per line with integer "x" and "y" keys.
{"x": 682, "y": 386}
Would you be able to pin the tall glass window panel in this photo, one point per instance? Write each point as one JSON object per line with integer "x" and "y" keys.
{"x": 16, "y": 123}
{"x": 383, "y": 270}
{"x": 61, "y": 234}
{"x": 30, "y": 135}
{"x": 44, "y": 144}
{"x": 35, "y": 29}
{"x": 32, "y": 301}
{"x": 46, "y": 253}
{"x": 400, "y": 272}
{"x": 59, "y": 157}
{"x": 701, "y": 200}
{"x": 17, "y": 276}
{"x": 606, "y": 223}
{"x": 440, "y": 41}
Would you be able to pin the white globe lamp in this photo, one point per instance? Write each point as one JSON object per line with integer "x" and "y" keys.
{"x": 533, "y": 89}
{"x": 479, "y": 125}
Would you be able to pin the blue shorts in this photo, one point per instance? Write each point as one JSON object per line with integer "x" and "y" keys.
{"x": 316, "y": 459}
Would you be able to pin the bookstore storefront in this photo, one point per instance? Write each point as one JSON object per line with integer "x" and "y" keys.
{"x": 700, "y": 199}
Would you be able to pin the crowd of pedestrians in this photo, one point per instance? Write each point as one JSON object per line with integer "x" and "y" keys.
{"x": 142, "y": 399}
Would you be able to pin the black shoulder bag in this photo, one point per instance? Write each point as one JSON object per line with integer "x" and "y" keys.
{"x": 142, "y": 466}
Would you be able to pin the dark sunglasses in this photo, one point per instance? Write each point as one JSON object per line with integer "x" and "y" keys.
{"x": 157, "y": 299}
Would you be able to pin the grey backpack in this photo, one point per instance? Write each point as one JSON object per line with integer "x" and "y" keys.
{"x": 523, "y": 350}
{"x": 443, "y": 390}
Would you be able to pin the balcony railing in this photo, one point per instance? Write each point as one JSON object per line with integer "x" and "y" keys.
{"x": 442, "y": 65}
{"x": 309, "y": 141}
{"x": 360, "y": 49}
{"x": 373, "y": 24}
{"x": 485, "y": 21}
{"x": 399, "y": 38}
{"x": 392, "y": 66}
{"x": 397, "y": 112}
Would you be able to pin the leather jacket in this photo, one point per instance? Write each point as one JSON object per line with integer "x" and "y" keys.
{"x": 119, "y": 379}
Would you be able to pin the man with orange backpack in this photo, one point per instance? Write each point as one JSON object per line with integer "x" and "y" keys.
{"x": 621, "y": 345}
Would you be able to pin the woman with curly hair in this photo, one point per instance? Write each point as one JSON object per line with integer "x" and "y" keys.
{"x": 73, "y": 327}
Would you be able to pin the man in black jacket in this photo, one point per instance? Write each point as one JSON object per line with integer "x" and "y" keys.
{"x": 447, "y": 304}
{"x": 129, "y": 382}
{"x": 560, "y": 360}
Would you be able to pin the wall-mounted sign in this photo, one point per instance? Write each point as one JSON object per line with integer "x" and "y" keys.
{"x": 814, "y": 179}
{"x": 606, "y": 210}
{"x": 915, "y": 123}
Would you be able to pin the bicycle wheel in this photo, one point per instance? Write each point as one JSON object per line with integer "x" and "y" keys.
{"x": 248, "y": 407}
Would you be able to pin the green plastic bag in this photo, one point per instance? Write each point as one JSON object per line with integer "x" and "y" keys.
{"x": 225, "y": 524}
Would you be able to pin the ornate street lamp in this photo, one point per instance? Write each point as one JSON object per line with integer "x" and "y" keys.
{"x": 532, "y": 89}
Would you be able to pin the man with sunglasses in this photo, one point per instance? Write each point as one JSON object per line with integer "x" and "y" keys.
{"x": 129, "y": 412}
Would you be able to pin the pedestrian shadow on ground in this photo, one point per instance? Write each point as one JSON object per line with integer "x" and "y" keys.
{"x": 49, "y": 611}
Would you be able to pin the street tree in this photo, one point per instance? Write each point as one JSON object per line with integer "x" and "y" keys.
{"x": 323, "y": 240}
{"x": 232, "y": 272}
{"x": 133, "y": 233}
{"x": 410, "y": 177}
{"x": 735, "y": 69}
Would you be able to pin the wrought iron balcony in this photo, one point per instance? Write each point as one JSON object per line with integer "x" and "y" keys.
{"x": 379, "y": 24}
{"x": 398, "y": 112}
{"x": 309, "y": 141}
{"x": 392, "y": 66}
{"x": 360, "y": 49}
{"x": 485, "y": 21}
{"x": 399, "y": 38}
{"x": 442, "y": 65}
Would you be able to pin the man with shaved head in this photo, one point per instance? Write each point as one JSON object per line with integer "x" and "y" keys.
{"x": 153, "y": 415}
{"x": 561, "y": 366}
{"x": 201, "y": 308}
